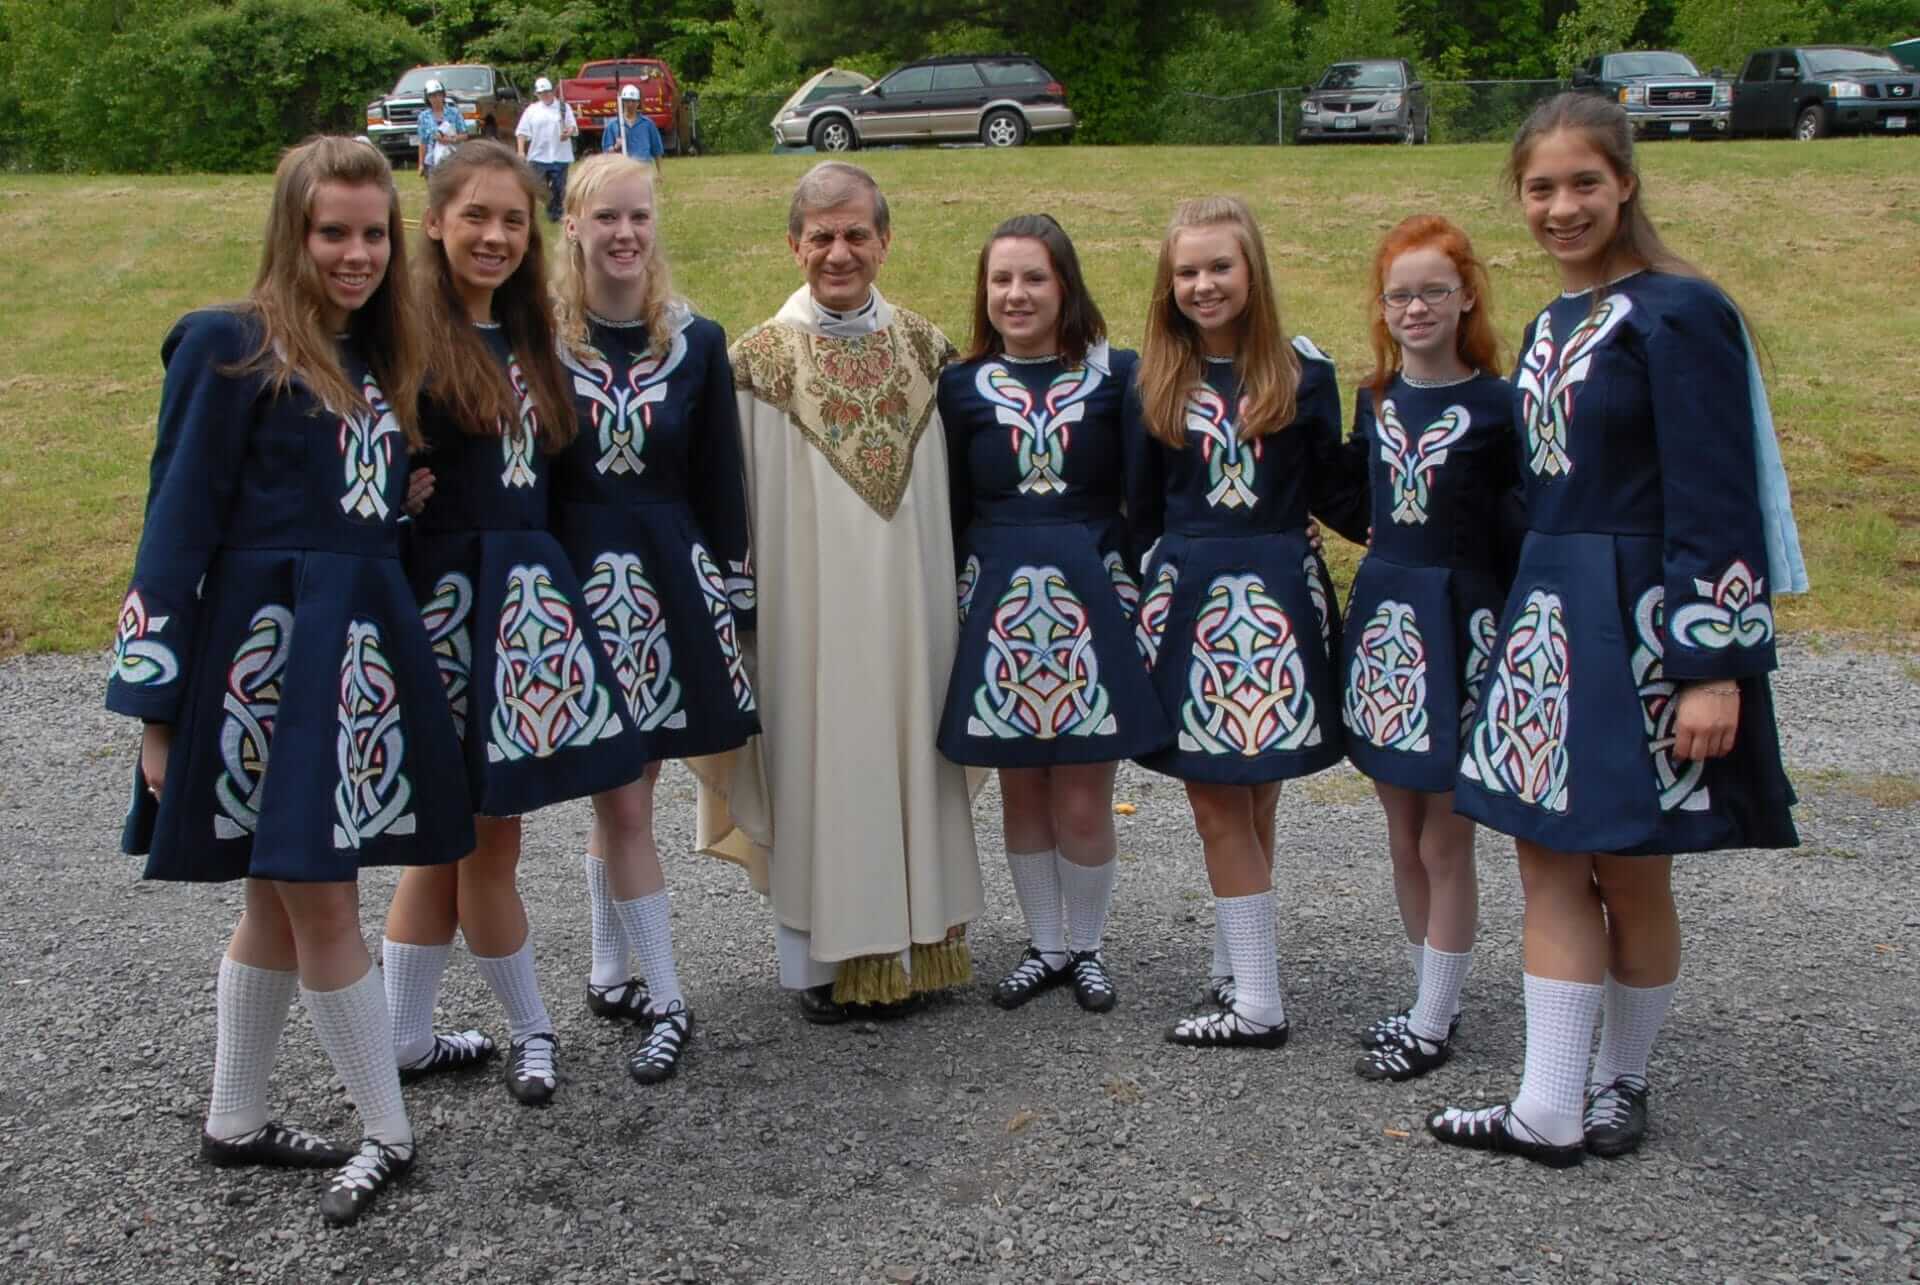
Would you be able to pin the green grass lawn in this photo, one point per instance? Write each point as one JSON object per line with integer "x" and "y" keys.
{"x": 1816, "y": 241}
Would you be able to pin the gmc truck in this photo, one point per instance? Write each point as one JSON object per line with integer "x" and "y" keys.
{"x": 594, "y": 96}
{"x": 1663, "y": 92}
{"x": 484, "y": 95}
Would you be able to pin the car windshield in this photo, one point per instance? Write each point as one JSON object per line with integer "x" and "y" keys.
{"x": 458, "y": 80}
{"x": 1361, "y": 75}
{"x": 1661, "y": 64}
{"x": 1825, "y": 62}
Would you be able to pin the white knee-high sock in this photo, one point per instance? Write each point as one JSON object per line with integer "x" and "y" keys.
{"x": 1417, "y": 960}
{"x": 250, "y": 1010}
{"x": 1222, "y": 957}
{"x": 1251, "y": 943}
{"x": 609, "y": 946}
{"x": 1440, "y": 981}
{"x": 1089, "y": 894}
{"x": 1560, "y": 1017}
{"x": 1632, "y": 1022}
{"x": 1036, "y": 884}
{"x": 512, "y": 979}
{"x": 357, "y": 1034}
{"x": 413, "y": 976}
{"x": 649, "y": 927}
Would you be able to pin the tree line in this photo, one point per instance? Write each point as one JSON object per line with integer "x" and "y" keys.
{"x": 193, "y": 85}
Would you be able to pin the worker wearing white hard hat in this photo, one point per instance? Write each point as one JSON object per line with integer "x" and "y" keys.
{"x": 438, "y": 129}
{"x": 545, "y": 133}
{"x": 631, "y": 132}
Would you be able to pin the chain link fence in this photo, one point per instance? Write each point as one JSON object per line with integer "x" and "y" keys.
{"x": 1459, "y": 111}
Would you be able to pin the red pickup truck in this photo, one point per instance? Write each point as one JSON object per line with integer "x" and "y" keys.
{"x": 594, "y": 96}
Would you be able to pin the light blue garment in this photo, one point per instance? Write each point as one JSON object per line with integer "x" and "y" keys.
{"x": 643, "y": 139}
{"x": 1786, "y": 570}
{"x": 427, "y": 130}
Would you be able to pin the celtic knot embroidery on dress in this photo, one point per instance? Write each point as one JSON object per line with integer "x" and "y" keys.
{"x": 1519, "y": 744}
{"x": 372, "y": 796}
{"x": 1123, "y": 584}
{"x": 1230, "y": 462}
{"x": 1412, "y": 462}
{"x": 252, "y": 703}
{"x": 1482, "y": 628}
{"x": 450, "y": 633}
{"x": 547, "y": 694}
{"x": 623, "y": 405}
{"x": 1318, "y": 592}
{"x": 368, "y": 439}
{"x": 1735, "y": 613}
{"x": 1042, "y": 676}
{"x": 1548, "y": 380}
{"x": 1041, "y": 427}
{"x": 963, "y": 587}
{"x": 1387, "y": 683}
{"x": 518, "y": 442}
{"x": 1151, "y": 626}
{"x": 741, "y": 594}
{"x": 1247, "y": 683}
{"x": 713, "y": 587}
{"x": 633, "y": 629}
{"x": 1678, "y": 782}
{"x": 139, "y": 659}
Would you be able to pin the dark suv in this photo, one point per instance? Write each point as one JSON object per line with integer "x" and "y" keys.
{"x": 1369, "y": 98}
{"x": 1000, "y": 99}
{"x": 1664, "y": 94}
{"x": 1815, "y": 90}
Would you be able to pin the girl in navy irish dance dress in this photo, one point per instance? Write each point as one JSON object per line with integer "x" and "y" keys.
{"x": 650, "y": 504}
{"x": 1233, "y": 432}
{"x": 1626, "y": 715}
{"x": 539, "y": 708}
{"x": 1433, "y": 430}
{"x": 1046, "y": 685}
{"x": 296, "y": 730}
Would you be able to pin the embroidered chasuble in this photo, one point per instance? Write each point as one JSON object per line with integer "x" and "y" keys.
{"x": 842, "y": 811}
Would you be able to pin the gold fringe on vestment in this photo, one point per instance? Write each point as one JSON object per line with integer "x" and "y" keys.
{"x": 880, "y": 979}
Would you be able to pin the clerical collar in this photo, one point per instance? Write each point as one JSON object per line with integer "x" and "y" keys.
{"x": 863, "y": 320}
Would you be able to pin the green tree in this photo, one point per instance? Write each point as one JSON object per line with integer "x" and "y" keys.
{"x": 1721, "y": 33}
{"x": 1596, "y": 27}
{"x": 1358, "y": 29}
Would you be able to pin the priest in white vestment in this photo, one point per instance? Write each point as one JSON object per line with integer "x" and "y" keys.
{"x": 843, "y": 811}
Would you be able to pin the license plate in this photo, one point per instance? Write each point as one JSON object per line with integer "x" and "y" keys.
{"x": 1348, "y": 122}
{"x": 1682, "y": 127}
{"x": 1896, "y": 122}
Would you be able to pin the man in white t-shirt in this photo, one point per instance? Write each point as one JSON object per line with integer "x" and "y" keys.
{"x": 545, "y": 133}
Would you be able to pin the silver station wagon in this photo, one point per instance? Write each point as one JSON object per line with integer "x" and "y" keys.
{"x": 1000, "y": 100}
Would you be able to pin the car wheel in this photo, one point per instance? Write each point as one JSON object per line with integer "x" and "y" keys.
{"x": 1811, "y": 124}
{"x": 833, "y": 134}
{"x": 1003, "y": 129}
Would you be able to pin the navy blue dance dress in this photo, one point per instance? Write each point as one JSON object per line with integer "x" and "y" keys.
{"x": 270, "y": 624}
{"x": 650, "y": 503}
{"x": 1046, "y": 670}
{"x": 1421, "y": 616}
{"x": 536, "y": 701}
{"x": 1238, "y": 622}
{"x": 1644, "y": 566}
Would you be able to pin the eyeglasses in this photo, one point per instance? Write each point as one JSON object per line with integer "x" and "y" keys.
{"x": 1432, "y": 296}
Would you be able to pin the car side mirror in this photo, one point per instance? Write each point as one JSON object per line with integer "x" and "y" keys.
{"x": 1718, "y": 73}
{"x": 1786, "y": 73}
{"x": 876, "y": 91}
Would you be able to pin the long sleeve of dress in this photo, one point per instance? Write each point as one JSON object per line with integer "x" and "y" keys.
{"x": 718, "y": 490}
{"x": 1342, "y": 492}
{"x": 1143, "y": 469}
{"x": 959, "y": 475}
{"x": 204, "y": 419}
{"x": 1719, "y": 614}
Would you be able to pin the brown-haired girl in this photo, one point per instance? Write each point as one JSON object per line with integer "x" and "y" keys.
{"x": 1433, "y": 430}
{"x": 1046, "y": 684}
{"x": 650, "y": 503}
{"x": 1234, "y": 432}
{"x": 539, "y": 712}
{"x": 296, "y": 730}
{"x": 1627, "y": 714}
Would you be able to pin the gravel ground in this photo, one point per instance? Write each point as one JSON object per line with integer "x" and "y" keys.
{"x": 967, "y": 1144}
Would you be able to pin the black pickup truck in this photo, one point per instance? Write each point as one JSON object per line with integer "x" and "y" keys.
{"x": 1816, "y": 90}
{"x": 1664, "y": 94}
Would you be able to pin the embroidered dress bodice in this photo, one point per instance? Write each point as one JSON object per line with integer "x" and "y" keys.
{"x": 486, "y": 481}
{"x": 1439, "y": 463}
